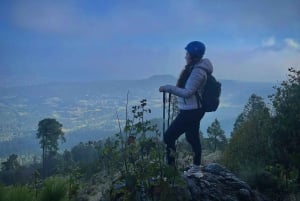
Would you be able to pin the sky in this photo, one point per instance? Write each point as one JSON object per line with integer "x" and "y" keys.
{"x": 56, "y": 40}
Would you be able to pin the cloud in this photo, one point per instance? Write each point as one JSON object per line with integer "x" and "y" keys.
{"x": 126, "y": 19}
{"x": 76, "y": 19}
{"x": 269, "y": 62}
{"x": 274, "y": 44}
{"x": 144, "y": 18}
{"x": 292, "y": 43}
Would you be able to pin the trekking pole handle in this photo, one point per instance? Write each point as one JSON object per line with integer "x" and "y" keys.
{"x": 169, "y": 109}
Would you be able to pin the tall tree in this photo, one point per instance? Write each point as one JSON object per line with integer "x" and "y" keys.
{"x": 249, "y": 145}
{"x": 49, "y": 132}
{"x": 286, "y": 122}
{"x": 216, "y": 136}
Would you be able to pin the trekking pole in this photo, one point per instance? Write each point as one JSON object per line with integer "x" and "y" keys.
{"x": 169, "y": 109}
{"x": 164, "y": 111}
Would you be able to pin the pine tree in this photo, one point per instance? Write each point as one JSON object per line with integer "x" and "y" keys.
{"x": 286, "y": 123}
{"x": 49, "y": 132}
{"x": 216, "y": 136}
{"x": 12, "y": 163}
{"x": 249, "y": 145}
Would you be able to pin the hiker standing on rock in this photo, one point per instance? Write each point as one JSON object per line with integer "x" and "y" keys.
{"x": 188, "y": 89}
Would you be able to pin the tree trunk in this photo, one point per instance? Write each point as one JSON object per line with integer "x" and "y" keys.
{"x": 44, "y": 172}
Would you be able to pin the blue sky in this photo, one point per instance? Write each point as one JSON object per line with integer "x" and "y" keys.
{"x": 42, "y": 40}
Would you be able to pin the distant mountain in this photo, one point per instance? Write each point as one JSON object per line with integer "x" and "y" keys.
{"x": 88, "y": 110}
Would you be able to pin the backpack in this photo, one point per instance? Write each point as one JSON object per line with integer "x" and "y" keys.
{"x": 210, "y": 99}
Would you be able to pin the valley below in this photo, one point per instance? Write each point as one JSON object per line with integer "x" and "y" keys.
{"x": 93, "y": 110}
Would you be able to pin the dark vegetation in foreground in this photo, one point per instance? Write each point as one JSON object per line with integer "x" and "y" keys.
{"x": 263, "y": 150}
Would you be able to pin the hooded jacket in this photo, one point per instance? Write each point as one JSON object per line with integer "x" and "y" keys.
{"x": 195, "y": 83}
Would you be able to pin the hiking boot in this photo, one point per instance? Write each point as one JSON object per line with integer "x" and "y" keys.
{"x": 193, "y": 171}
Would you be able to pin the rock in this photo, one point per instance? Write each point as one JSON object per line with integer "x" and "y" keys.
{"x": 219, "y": 184}
{"x": 215, "y": 168}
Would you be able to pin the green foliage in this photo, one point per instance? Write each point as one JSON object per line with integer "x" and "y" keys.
{"x": 84, "y": 153}
{"x": 264, "y": 147}
{"x": 110, "y": 157}
{"x": 286, "y": 126}
{"x": 49, "y": 132}
{"x": 142, "y": 160}
{"x": 216, "y": 136}
{"x": 286, "y": 132}
{"x": 73, "y": 183}
{"x": 85, "y": 156}
{"x": 10, "y": 170}
{"x": 12, "y": 163}
{"x": 250, "y": 137}
{"x": 36, "y": 182}
{"x": 55, "y": 188}
{"x": 2, "y": 192}
{"x": 17, "y": 193}
{"x": 262, "y": 179}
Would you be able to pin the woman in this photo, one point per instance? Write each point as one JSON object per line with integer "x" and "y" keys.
{"x": 189, "y": 85}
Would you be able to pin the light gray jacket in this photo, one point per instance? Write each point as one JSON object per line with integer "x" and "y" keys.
{"x": 196, "y": 81}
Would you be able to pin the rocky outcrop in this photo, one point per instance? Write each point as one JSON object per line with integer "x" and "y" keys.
{"x": 219, "y": 184}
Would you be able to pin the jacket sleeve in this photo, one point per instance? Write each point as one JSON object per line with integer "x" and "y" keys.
{"x": 195, "y": 81}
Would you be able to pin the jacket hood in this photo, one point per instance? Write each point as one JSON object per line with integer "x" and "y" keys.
{"x": 206, "y": 64}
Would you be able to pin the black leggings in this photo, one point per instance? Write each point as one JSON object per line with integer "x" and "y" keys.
{"x": 188, "y": 122}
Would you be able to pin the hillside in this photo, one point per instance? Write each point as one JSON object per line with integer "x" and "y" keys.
{"x": 88, "y": 110}
{"x": 218, "y": 183}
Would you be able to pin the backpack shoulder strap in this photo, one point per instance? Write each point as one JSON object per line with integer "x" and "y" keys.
{"x": 207, "y": 72}
{"x": 198, "y": 97}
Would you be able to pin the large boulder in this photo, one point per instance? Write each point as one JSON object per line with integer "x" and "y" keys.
{"x": 219, "y": 184}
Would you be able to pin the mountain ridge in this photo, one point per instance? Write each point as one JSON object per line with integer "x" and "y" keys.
{"x": 12, "y": 82}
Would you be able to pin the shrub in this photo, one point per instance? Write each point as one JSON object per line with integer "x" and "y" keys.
{"x": 55, "y": 188}
{"x": 18, "y": 193}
